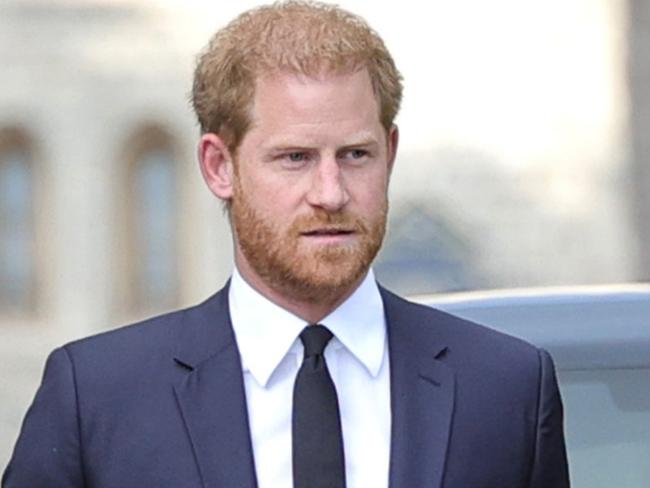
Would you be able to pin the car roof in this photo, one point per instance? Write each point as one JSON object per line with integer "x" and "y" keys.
{"x": 593, "y": 327}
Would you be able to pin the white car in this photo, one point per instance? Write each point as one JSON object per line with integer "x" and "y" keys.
{"x": 599, "y": 338}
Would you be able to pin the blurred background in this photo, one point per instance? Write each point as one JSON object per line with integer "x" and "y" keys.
{"x": 523, "y": 162}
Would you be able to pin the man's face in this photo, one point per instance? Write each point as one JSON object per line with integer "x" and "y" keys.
{"x": 310, "y": 185}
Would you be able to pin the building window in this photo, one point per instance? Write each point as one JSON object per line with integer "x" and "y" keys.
{"x": 16, "y": 225}
{"x": 153, "y": 224}
{"x": 155, "y": 232}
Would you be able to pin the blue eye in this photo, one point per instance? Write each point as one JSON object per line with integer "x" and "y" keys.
{"x": 296, "y": 157}
{"x": 355, "y": 155}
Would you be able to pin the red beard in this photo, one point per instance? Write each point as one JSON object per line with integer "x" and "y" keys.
{"x": 280, "y": 256}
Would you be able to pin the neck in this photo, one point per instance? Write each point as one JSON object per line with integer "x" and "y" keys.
{"x": 311, "y": 311}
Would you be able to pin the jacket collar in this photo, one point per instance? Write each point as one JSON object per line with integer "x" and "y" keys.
{"x": 205, "y": 330}
{"x": 211, "y": 395}
{"x": 422, "y": 395}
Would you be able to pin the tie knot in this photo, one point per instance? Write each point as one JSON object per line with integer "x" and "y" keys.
{"x": 315, "y": 338}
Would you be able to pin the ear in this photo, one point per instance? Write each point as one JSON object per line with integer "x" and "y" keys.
{"x": 216, "y": 165}
{"x": 393, "y": 139}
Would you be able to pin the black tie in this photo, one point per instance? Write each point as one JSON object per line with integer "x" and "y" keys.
{"x": 317, "y": 443}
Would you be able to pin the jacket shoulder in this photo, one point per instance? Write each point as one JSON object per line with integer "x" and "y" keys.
{"x": 461, "y": 336}
{"x": 157, "y": 337}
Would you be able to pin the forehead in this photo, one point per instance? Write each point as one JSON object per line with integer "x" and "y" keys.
{"x": 313, "y": 97}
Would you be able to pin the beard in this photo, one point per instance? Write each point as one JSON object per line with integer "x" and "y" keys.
{"x": 277, "y": 252}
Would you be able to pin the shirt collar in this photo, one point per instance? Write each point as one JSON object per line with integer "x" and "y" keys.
{"x": 265, "y": 331}
{"x": 359, "y": 324}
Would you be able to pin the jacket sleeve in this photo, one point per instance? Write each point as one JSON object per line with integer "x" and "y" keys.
{"x": 550, "y": 467}
{"x": 47, "y": 453}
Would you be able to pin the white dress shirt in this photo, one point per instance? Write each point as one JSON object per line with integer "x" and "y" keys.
{"x": 357, "y": 358}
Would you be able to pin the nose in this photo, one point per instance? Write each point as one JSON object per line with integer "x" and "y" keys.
{"x": 328, "y": 189}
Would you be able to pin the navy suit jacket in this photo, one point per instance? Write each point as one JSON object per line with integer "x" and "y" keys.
{"x": 162, "y": 404}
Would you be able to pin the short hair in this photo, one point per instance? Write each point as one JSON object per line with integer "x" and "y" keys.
{"x": 308, "y": 38}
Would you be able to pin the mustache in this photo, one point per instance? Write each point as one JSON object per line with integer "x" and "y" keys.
{"x": 321, "y": 219}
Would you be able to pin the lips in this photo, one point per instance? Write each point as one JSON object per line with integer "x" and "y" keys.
{"x": 327, "y": 232}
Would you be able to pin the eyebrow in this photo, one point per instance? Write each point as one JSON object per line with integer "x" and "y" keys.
{"x": 281, "y": 144}
{"x": 367, "y": 141}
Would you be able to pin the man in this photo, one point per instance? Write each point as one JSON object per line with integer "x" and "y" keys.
{"x": 301, "y": 371}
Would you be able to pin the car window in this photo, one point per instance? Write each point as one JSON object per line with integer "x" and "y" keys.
{"x": 607, "y": 416}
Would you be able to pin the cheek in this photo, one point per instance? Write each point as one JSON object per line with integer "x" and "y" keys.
{"x": 369, "y": 190}
{"x": 282, "y": 195}
{"x": 277, "y": 199}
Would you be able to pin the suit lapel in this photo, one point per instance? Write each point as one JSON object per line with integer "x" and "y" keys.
{"x": 212, "y": 399}
{"x": 211, "y": 396}
{"x": 422, "y": 397}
